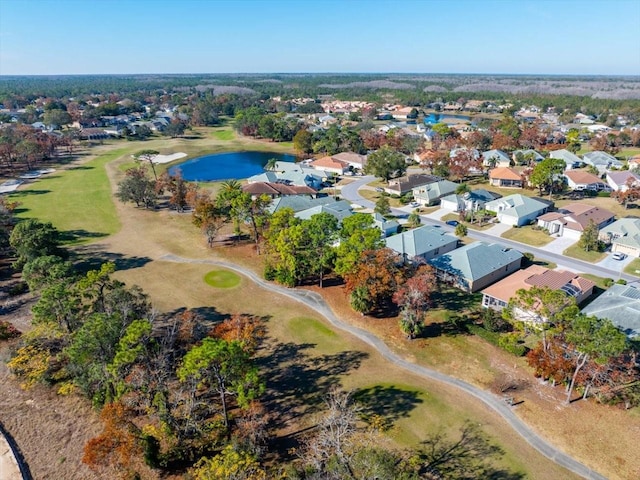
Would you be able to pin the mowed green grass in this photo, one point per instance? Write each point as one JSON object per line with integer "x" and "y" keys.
{"x": 77, "y": 201}
{"x": 575, "y": 251}
{"x": 535, "y": 238}
{"x": 222, "y": 279}
{"x": 224, "y": 135}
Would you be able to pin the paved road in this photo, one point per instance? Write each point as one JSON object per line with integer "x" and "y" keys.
{"x": 350, "y": 192}
{"x": 316, "y": 302}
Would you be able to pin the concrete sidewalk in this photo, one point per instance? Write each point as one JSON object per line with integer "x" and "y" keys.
{"x": 9, "y": 469}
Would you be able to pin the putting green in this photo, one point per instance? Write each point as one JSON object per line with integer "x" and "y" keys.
{"x": 222, "y": 279}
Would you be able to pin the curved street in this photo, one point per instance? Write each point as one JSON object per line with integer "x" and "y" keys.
{"x": 350, "y": 192}
{"x": 317, "y": 303}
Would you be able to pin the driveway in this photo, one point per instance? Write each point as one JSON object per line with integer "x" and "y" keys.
{"x": 498, "y": 229}
{"x": 559, "y": 245}
{"x": 616, "y": 265}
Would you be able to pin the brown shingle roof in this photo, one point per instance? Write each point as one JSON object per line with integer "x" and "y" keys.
{"x": 582, "y": 214}
{"x": 329, "y": 162}
{"x": 266, "y": 188}
{"x": 579, "y": 176}
{"x": 504, "y": 173}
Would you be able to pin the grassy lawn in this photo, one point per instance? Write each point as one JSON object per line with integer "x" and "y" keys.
{"x": 224, "y": 134}
{"x": 526, "y": 234}
{"x": 222, "y": 279}
{"x": 78, "y": 200}
{"x": 473, "y": 226}
{"x": 374, "y": 196}
{"x": 633, "y": 268}
{"x": 575, "y": 251}
{"x": 599, "y": 281}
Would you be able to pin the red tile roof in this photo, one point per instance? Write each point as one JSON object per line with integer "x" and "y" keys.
{"x": 504, "y": 173}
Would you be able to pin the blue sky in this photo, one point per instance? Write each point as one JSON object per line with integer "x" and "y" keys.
{"x": 215, "y": 36}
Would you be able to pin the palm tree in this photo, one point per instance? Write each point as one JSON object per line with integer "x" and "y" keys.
{"x": 271, "y": 164}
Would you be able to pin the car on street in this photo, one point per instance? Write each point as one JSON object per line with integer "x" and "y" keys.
{"x": 619, "y": 256}
{"x": 453, "y": 223}
{"x": 414, "y": 204}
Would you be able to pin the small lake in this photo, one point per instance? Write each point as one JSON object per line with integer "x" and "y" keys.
{"x": 448, "y": 118}
{"x": 227, "y": 166}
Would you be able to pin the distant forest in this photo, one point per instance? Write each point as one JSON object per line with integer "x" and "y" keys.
{"x": 594, "y": 94}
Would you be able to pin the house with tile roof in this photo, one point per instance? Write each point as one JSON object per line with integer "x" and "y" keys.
{"x": 622, "y": 180}
{"x": 623, "y": 235}
{"x": 621, "y": 305}
{"x": 495, "y": 158}
{"x": 505, "y": 177}
{"x": 571, "y": 160}
{"x": 571, "y": 220}
{"x": 329, "y": 164}
{"x": 354, "y": 160}
{"x": 422, "y": 243}
{"x": 517, "y": 210}
{"x": 603, "y": 161}
{"x": 468, "y": 201}
{"x": 477, "y": 265}
{"x": 581, "y": 180}
{"x": 497, "y": 296}
{"x": 276, "y": 189}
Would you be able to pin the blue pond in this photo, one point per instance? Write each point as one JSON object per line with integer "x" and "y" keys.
{"x": 448, "y": 118}
{"x": 227, "y": 166}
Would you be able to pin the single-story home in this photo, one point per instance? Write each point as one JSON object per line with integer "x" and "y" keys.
{"x": 388, "y": 227}
{"x": 570, "y": 159}
{"x": 602, "y": 161}
{"x": 354, "y": 160}
{"x": 505, "y": 177}
{"x": 422, "y": 243}
{"x": 477, "y": 265}
{"x": 297, "y": 203}
{"x": 329, "y": 164}
{"x": 520, "y": 157}
{"x": 497, "y": 296}
{"x": 293, "y": 174}
{"x": 431, "y": 193}
{"x": 581, "y": 180}
{"x": 623, "y": 235}
{"x": 274, "y": 190}
{"x": 341, "y": 210}
{"x": 571, "y": 220}
{"x": 495, "y": 158}
{"x": 620, "y": 181}
{"x": 402, "y": 185}
{"x": 468, "y": 201}
{"x": 517, "y": 210}
{"x": 621, "y": 305}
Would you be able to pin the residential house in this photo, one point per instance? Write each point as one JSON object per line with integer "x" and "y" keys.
{"x": 622, "y": 180}
{"x": 580, "y": 180}
{"x": 340, "y": 210}
{"x": 388, "y": 227}
{"x": 431, "y": 193}
{"x": 623, "y": 235}
{"x": 602, "y": 161}
{"x": 298, "y": 203}
{"x": 521, "y": 157}
{"x": 355, "y": 160}
{"x": 402, "y": 185}
{"x": 293, "y": 174}
{"x": 477, "y": 265}
{"x": 517, "y": 209}
{"x": 422, "y": 243}
{"x": 276, "y": 189}
{"x": 621, "y": 305}
{"x": 571, "y": 160}
{"x": 329, "y": 164}
{"x": 497, "y": 296}
{"x": 495, "y": 158}
{"x": 505, "y": 177}
{"x": 571, "y": 220}
{"x": 468, "y": 201}
{"x": 634, "y": 162}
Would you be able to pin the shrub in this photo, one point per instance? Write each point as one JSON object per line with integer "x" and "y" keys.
{"x": 607, "y": 282}
{"x": 511, "y": 343}
{"x": 604, "y": 194}
{"x": 7, "y": 330}
{"x": 621, "y": 281}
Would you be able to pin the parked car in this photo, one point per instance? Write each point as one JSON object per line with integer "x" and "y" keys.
{"x": 414, "y": 204}
{"x": 453, "y": 223}
{"x": 379, "y": 189}
{"x": 619, "y": 256}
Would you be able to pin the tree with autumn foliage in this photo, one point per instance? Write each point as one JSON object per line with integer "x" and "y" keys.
{"x": 414, "y": 297}
{"x": 630, "y": 194}
{"x": 374, "y": 280}
{"x": 465, "y": 162}
{"x": 249, "y": 330}
{"x": 178, "y": 188}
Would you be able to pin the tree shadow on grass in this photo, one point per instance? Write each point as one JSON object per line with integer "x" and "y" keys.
{"x": 82, "y": 167}
{"x": 27, "y": 193}
{"x": 456, "y": 300}
{"x": 389, "y": 403}
{"x": 91, "y": 257}
{"x": 73, "y": 236}
{"x": 297, "y": 382}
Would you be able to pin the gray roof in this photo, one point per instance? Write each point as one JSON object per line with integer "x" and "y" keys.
{"x": 384, "y": 224}
{"x": 601, "y": 158}
{"x": 269, "y": 177}
{"x": 627, "y": 231}
{"x": 536, "y": 155}
{"x": 298, "y": 202}
{"x": 340, "y": 210}
{"x": 564, "y": 154}
{"x": 621, "y": 305}
{"x": 420, "y": 240}
{"x": 476, "y": 260}
{"x": 516, "y": 205}
{"x": 433, "y": 191}
{"x": 497, "y": 154}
